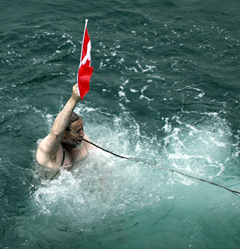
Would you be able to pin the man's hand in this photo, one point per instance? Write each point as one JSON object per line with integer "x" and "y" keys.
{"x": 75, "y": 95}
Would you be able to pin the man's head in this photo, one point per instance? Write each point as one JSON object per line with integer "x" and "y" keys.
{"x": 74, "y": 132}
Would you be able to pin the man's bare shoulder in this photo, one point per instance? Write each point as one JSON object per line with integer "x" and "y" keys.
{"x": 49, "y": 144}
{"x": 46, "y": 154}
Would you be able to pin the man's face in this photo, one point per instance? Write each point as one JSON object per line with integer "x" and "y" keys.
{"x": 75, "y": 135}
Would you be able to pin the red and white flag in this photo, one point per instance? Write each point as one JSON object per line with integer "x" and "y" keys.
{"x": 85, "y": 70}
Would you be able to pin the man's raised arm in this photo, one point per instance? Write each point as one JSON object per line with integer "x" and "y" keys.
{"x": 49, "y": 146}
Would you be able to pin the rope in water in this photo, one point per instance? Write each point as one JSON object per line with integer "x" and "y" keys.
{"x": 161, "y": 167}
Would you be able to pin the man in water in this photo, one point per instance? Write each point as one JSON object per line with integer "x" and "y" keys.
{"x": 64, "y": 145}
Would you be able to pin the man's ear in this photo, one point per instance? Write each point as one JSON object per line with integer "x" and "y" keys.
{"x": 64, "y": 138}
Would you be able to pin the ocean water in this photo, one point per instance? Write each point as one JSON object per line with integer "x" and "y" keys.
{"x": 165, "y": 90}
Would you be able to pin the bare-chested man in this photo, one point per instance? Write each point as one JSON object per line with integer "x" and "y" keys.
{"x": 64, "y": 145}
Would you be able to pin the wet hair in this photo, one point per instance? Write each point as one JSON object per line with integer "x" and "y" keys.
{"x": 74, "y": 117}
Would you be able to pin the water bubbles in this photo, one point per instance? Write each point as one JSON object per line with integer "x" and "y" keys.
{"x": 102, "y": 188}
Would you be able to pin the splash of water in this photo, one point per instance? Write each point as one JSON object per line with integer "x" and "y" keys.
{"x": 103, "y": 189}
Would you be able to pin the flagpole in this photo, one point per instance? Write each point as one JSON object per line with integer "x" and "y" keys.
{"x": 86, "y": 21}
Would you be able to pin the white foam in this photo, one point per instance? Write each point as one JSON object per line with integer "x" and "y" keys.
{"x": 102, "y": 185}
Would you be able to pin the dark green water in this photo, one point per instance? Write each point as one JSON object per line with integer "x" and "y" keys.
{"x": 165, "y": 89}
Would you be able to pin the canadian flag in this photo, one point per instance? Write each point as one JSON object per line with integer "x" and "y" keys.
{"x": 85, "y": 70}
